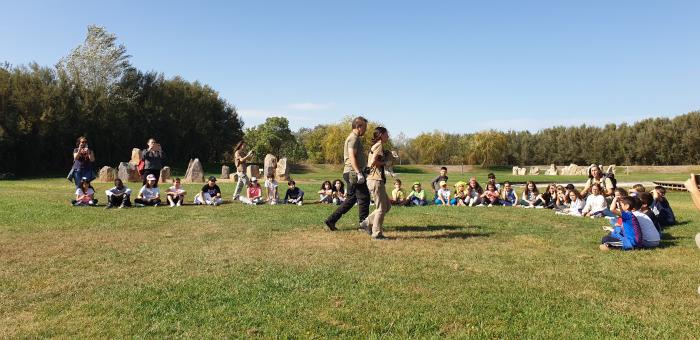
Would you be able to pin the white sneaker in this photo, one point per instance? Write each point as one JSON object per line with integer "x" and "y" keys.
{"x": 300, "y": 203}
{"x": 179, "y": 203}
{"x": 172, "y": 204}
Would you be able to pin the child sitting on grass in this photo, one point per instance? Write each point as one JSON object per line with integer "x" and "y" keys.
{"x": 529, "y": 197}
{"x": 474, "y": 192}
{"x": 339, "y": 195}
{"x": 119, "y": 195}
{"x": 294, "y": 195}
{"x": 575, "y": 203}
{"x": 460, "y": 195}
{"x": 637, "y": 189}
{"x": 561, "y": 203}
{"x": 417, "y": 195}
{"x": 149, "y": 195}
{"x": 650, "y": 237}
{"x": 271, "y": 189}
{"x": 210, "y": 194}
{"x": 596, "y": 205}
{"x": 646, "y": 200}
{"x": 508, "y": 197}
{"x": 325, "y": 195}
{"x": 435, "y": 184}
{"x": 549, "y": 198}
{"x": 84, "y": 194}
{"x": 490, "y": 197}
{"x": 661, "y": 207}
{"x": 628, "y": 234}
{"x": 443, "y": 195}
{"x": 255, "y": 196}
{"x": 176, "y": 194}
{"x": 398, "y": 195}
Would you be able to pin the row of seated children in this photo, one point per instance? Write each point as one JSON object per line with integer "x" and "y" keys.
{"x": 632, "y": 226}
{"x": 210, "y": 194}
{"x": 332, "y": 193}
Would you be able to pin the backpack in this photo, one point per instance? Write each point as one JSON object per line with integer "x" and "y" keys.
{"x": 611, "y": 176}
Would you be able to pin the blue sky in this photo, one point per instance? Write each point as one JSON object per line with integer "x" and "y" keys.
{"x": 456, "y": 66}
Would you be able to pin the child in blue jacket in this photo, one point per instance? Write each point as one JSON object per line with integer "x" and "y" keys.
{"x": 626, "y": 234}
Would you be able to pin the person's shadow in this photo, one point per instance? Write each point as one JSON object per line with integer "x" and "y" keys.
{"x": 446, "y": 232}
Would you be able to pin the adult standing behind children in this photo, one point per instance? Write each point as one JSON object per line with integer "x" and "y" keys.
{"x": 595, "y": 176}
{"x": 83, "y": 157}
{"x": 152, "y": 161}
{"x": 241, "y": 162}
{"x": 353, "y": 174}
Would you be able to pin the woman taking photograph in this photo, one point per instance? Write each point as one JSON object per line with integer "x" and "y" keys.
{"x": 83, "y": 157}
{"x": 152, "y": 161}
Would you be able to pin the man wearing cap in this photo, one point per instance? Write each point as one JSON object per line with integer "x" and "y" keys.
{"x": 210, "y": 193}
{"x": 353, "y": 174}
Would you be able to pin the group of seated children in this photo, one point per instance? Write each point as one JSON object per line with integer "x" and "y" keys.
{"x": 210, "y": 194}
{"x": 332, "y": 193}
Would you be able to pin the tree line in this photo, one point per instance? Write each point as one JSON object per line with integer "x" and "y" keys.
{"x": 96, "y": 93}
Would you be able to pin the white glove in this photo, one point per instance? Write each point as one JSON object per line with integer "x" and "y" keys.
{"x": 360, "y": 178}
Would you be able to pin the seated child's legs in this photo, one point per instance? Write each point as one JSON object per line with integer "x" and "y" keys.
{"x": 438, "y": 202}
{"x": 611, "y": 242}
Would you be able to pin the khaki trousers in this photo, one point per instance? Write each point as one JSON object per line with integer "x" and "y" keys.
{"x": 381, "y": 206}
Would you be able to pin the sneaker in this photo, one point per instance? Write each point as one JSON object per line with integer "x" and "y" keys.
{"x": 603, "y": 247}
{"x": 300, "y": 203}
{"x": 109, "y": 206}
{"x": 364, "y": 227}
{"x": 236, "y": 197}
{"x": 216, "y": 203}
{"x": 172, "y": 204}
{"x": 122, "y": 206}
{"x": 155, "y": 205}
{"x": 140, "y": 205}
{"x": 490, "y": 205}
{"x": 179, "y": 203}
{"x": 379, "y": 237}
{"x": 330, "y": 225}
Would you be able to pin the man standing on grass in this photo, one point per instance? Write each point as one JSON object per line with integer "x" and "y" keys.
{"x": 354, "y": 175}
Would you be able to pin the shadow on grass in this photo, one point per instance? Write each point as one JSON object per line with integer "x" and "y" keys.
{"x": 407, "y": 228}
{"x": 668, "y": 240}
{"x": 449, "y": 235}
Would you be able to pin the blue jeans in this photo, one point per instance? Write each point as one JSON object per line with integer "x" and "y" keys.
{"x": 78, "y": 175}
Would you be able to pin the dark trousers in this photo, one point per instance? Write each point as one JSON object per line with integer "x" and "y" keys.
{"x": 145, "y": 202}
{"x": 117, "y": 200}
{"x": 356, "y": 193}
{"x": 154, "y": 172}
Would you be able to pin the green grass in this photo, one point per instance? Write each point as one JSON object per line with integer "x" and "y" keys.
{"x": 272, "y": 271}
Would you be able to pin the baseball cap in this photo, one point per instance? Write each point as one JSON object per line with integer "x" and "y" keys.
{"x": 150, "y": 177}
{"x": 212, "y": 178}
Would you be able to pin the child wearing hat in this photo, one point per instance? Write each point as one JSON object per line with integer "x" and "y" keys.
{"x": 460, "y": 194}
{"x": 417, "y": 195}
{"x": 443, "y": 195}
{"x": 210, "y": 194}
{"x": 149, "y": 193}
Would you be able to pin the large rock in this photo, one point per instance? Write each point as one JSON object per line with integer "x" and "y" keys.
{"x": 195, "y": 173}
{"x": 552, "y": 171}
{"x": 127, "y": 172}
{"x": 135, "y": 156}
{"x": 107, "y": 174}
{"x": 253, "y": 171}
{"x": 282, "y": 171}
{"x": 225, "y": 172}
{"x": 270, "y": 165}
{"x": 522, "y": 171}
{"x": 165, "y": 174}
{"x": 534, "y": 170}
{"x": 515, "y": 170}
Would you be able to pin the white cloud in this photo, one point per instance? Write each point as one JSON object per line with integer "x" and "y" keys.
{"x": 309, "y": 106}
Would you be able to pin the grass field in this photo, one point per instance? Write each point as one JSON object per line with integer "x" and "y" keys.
{"x": 273, "y": 271}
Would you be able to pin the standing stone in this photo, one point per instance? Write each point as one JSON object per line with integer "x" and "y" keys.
{"x": 270, "y": 165}
{"x": 225, "y": 172}
{"x": 195, "y": 173}
{"x": 573, "y": 169}
{"x": 127, "y": 172}
{"x": 107, "y": 174}
{"x": 522, "y": 171}
{"x": 165, "y": 174}
{"x": 282, "y": 171}
{"x": 534, "y": 170}
{"x": 552, "y": 171}
{"x": 253, "y": 171}
{"x": 135, "y": 156}
{"x": 515, "y": 170}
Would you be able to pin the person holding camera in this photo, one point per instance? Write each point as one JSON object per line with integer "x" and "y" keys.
{"x": 152, "y": 161}
{"x": 354, "y": 174}
{"x": 83, "y": 157}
